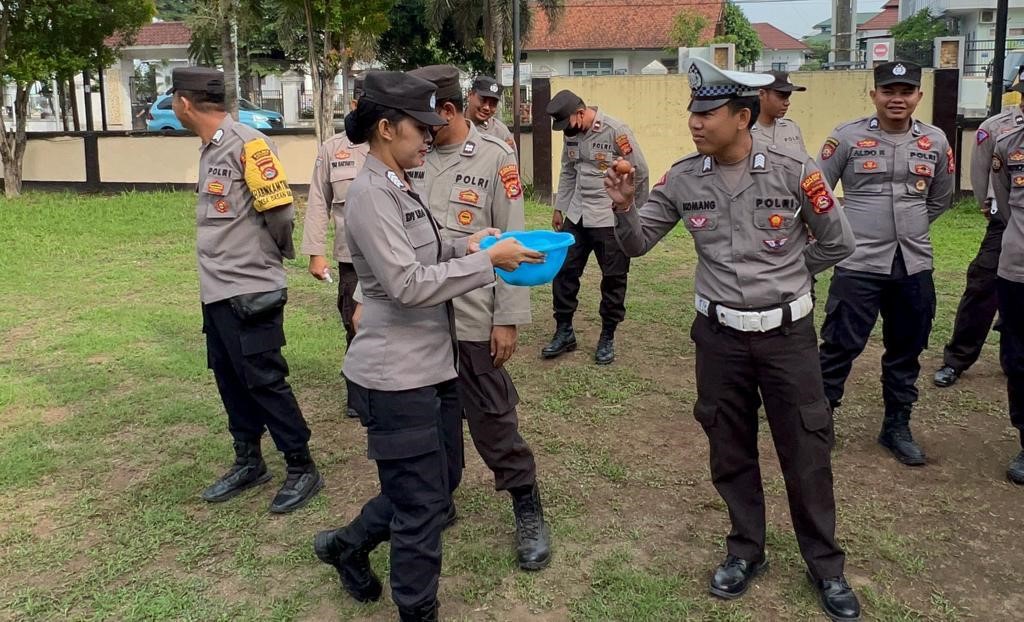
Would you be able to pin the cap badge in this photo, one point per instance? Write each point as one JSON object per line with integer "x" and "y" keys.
{"x": 899, "y": 70}
{"x": 493, "y": 88}
{"x": 696, "y": 80}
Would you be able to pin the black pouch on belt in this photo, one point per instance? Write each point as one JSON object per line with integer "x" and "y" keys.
{"x": 250, "y": 306}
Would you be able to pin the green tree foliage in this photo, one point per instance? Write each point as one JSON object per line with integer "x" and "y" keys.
{"x": 42, "y": 39}
{"x": 736, "y": 29}
{"x": 818, "y": 56}
{"x": 411, "y": 41}
{"x": 686, "y": 29}
{"x": 921, "y": 26}
{"x": 174, "y": 10}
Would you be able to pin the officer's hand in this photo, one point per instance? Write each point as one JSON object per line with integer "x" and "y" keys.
{"x": 620, "y": 187}
{"x": 473, "y": 245}
{"x": 986, "y": 208}
{"x": 357, "y": 315}
{"x": 508, "y": 254}
{"x": 318, "y": 266}
{"x": 503, "y": 343}
{"x": 556, "y": 220}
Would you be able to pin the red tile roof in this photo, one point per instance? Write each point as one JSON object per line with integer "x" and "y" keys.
{"x": 159, "y": 33}
{"x": 774, "y": 39}
{"x": 617, "y": 24}
{"x": 889, "y": 17}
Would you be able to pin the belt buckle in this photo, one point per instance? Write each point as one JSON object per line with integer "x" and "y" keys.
{"x": 751, "y": 321}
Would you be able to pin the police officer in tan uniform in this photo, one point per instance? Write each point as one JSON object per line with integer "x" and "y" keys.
{"x": 592, "y": 142}
{"x": 897, "y": 175}
{"x": 774, "y": 100}
{"x": 978, "y": 303}
{"x": 244, "y": 222}
{"x": 1008, "y": 183}
{"x": 484, "y": 100}
{"x": 746, "y": 204}
{"x": 337, "y": 162}
{"x": 471, "y": 182}
{"x": 401, "y": 366}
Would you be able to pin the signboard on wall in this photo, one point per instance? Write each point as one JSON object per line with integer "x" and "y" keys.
{"x": 525, "y": 73}
{"x": 881, "y": 51}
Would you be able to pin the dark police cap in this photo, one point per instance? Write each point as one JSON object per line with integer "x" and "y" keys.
{"x": 401, "y": 91}
{"x": 198, "y": 79}
{"x": 444, "y": 77}
{"x": 782, "y": 82}
{"x": 486, "y": 86}
{"x": 561, "y": 107}
{"x": 898, "y": 72}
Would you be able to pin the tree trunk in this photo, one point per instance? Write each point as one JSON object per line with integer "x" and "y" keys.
{"x": 12, "y": 145}
{"x": 62, "y": 102}
{"x": 314, "y": 72}
{"x": 73, "y": 97}
{"x": 226, "y": 17}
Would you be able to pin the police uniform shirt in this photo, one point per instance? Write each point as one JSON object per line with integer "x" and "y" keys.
{"x": 1008, "y": 184}
{"x": 894, "y": 186}
{"x": 981, "y": 160}
{"x": 752, "y": 246}
{"x": 468, "y": 187}
{"x": 407, "y": 274}
{"x": 585, "y": 158}
{"x": 244, "y": 216}
{"x": 337, "y": 162}
{"x": 496, "y": 127}
{"x": 782, "y": 133}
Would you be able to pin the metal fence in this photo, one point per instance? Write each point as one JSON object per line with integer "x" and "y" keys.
{"x": 979, "y": 54}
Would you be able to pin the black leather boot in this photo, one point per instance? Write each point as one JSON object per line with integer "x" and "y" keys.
{"x": 425, "y": 613}
{"x": 896, "y": 437}
{"x": 348, "y": 550}
{"x": 301, "y": 484}
{"x": 946, "y": 376}
{"x": 563, "y": 341}
{"x": 733, "y": 576}
{"x": 533, "y": 538}
{"x": 605, "y": 352}
{"x": 837, "y": 599}
{"x": 1015, "y": 472}
{"x": 248, "y": 471}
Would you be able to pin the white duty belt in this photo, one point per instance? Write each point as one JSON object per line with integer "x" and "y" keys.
{"x": 755, "y": 321}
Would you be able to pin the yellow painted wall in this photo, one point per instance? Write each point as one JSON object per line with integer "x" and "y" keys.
{"x": 149, "y": 159}
{"x": 654, "y": 107}
{"x": 54, "y": 159}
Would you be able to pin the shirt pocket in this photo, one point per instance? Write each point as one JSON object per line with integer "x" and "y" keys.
{"x": 215, "y": 195}
{"x": 465, "y": 211}
{"x": 1016, "y": 188}
{"x": 341, "y": 179}
{"x": 869, "y": 175}
{"x": 420, "y": 235}
{"x": 699, "y": 223}
{"x": 776, "y": 219}
{"x": 920, "y": 179}
{"x": 602, "y": 160}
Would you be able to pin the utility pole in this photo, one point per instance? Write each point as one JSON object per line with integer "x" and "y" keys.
{"x": 999, "y": 61}
{"x": 844, "y": 25}
{"x": 516, "y": 129}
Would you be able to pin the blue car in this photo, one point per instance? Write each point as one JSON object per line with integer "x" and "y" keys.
{"x": 161, "y": 117}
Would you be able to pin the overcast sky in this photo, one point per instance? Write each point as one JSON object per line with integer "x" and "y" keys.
{"x": 796, "y": 17}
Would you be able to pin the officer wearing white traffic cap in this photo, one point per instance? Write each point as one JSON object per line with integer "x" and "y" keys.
{"x": 401, "y": 366}
{"x": 746, "y": 205}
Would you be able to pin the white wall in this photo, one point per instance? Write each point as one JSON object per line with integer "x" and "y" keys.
{"x": 627, "y": 61}
{"x": 793, "y": 59}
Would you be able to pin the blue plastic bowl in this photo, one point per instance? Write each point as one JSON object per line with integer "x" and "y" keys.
{"x": 553, "y": 244}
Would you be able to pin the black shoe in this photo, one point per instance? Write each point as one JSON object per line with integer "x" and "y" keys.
{"x": 533, "y": 538}
{"x": 563, "y": 341}
{"x": 732, "y": 577}
{"x": 301, "y": 484}
{"x": 351, "y": 413}
{"x": 605, "y": 352}
{"x": 837, "y": 599}
{"x": 898, "y": 440}
{"x": 426, "y": 613}
{"x": 348, "y": 550}
{"x": 1015, "y": 472}
{"x": 946, "y": 376}
{"x": 835, "y": 404}
{"x": 248, "y": 471}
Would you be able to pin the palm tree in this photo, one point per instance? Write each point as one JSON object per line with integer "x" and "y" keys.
{"x": 490, "y": 20}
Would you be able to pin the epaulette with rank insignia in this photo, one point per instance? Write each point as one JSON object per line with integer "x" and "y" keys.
{"x": 497, "y": 141}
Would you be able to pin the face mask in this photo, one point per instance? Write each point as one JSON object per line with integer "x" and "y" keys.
{"x": 571, "y": 131}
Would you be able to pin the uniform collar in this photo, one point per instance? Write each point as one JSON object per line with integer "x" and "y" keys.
{"x": 915, "y": 126}
{"x": 218, "y": 136}
{"x": 379, "y": 168}
{"x": 599, "y": 122}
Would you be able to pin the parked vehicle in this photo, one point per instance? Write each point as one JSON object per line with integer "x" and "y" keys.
{"x": 161, "y": 117}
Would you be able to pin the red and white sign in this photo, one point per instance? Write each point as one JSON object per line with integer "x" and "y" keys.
{"x": 882, "y": 51}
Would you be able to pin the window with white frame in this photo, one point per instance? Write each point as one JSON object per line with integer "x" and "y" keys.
{"x": 591, "y": 67}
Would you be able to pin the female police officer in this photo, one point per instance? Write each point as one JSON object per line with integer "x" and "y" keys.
{"x": 401, "y": 366}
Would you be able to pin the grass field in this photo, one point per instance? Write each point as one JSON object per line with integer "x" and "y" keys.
{"x": 110, "y": 425}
